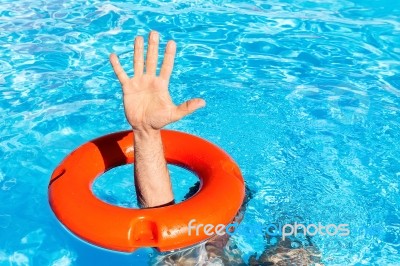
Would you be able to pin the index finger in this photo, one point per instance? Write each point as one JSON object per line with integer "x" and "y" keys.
{"x": 168, "y": 62}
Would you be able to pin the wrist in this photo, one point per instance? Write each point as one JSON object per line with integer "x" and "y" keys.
{"x": 146, "y": 133}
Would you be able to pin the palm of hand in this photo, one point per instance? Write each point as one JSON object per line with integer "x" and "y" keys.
{"x": 147, "y": 103}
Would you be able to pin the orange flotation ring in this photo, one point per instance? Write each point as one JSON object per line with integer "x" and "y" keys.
{"x": 218, "y": 200}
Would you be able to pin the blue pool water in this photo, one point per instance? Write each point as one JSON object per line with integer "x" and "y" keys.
{"x": 304, "y": 95}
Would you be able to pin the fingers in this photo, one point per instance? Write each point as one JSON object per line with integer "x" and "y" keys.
{"x": 118, "y": 70}
{"x": 168, "y": 63}
{"x": 138, "y": 61}
{"x": 187, "y": 108}
{"x": 152, "y": 53}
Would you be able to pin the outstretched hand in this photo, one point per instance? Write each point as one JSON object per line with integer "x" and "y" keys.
{"x": 147, "y": 103}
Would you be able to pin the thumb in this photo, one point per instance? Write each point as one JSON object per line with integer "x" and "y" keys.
{"x": 187, "y": 107}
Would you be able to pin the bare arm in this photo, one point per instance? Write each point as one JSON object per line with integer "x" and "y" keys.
{"x": 152, "y": 181}
{"x": 148, "y": 108}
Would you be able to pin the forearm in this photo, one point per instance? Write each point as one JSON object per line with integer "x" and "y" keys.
{"x": 152, "y": 181}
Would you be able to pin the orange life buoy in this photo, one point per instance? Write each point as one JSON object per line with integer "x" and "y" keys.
{"x": 165, "y": 228}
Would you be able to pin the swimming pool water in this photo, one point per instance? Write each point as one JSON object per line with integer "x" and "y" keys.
{"x": 304, "y": 95}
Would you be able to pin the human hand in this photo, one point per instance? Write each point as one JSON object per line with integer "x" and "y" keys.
{"x": 147, "y": 102}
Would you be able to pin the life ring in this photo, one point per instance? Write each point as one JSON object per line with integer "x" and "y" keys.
{"x": 218, "y": 200}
